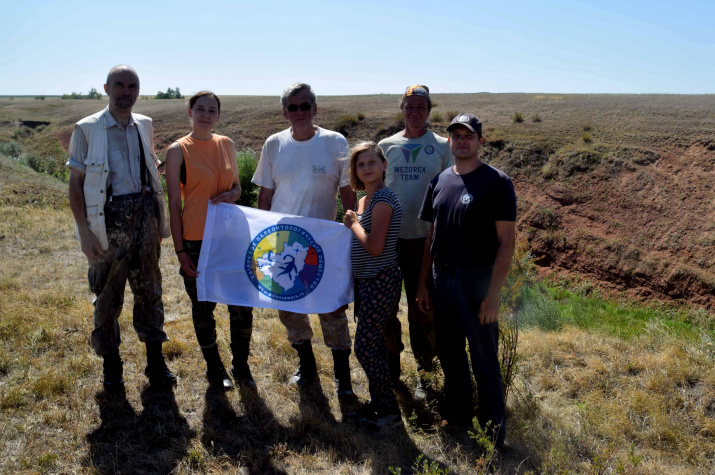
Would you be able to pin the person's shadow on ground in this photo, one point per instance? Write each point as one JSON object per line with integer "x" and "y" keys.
{"x": 153, "y": 441}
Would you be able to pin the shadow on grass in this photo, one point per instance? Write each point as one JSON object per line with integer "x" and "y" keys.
{"x": 154, "y": 441}
{"x": 257, "y": 441}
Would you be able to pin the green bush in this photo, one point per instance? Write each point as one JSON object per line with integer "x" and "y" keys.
{"x": 436, "y": 117}
{"x": 536, "y": 118}
{"x": 517, "y": 118}
{"x": 586, "y": 137}
{"x": 247, "y": 163}
{"x": 11, "y": 149}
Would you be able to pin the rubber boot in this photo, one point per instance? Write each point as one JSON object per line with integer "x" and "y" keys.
{"x": 112, "y": 371}
{"x": 306, "y": 371}
{"x": 341, "y": 362}
{"x": 239, "y": 366}
{"x": 156, "y": 369}
{"x": 215, "y": 371}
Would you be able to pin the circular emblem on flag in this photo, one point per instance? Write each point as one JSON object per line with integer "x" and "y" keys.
{"x": 429, "y": 150}
{"x": 466, "y": 199}
{"x": 284, "y": 262}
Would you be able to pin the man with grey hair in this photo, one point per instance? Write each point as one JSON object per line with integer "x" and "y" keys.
{"x": 300, "y": 172}
{"x": 118, "y": 205}
{"x": 414, "y": 156}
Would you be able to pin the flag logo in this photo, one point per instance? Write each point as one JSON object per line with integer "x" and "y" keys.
{"x": 284, "y": 262}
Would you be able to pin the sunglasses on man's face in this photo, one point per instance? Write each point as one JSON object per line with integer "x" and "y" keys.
{"x": 306, "y": 106}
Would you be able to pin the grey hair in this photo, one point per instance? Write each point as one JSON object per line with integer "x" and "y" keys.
{"x": 296, "y": 88}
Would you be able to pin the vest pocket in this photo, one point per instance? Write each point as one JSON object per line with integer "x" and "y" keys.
{"x": 93, "y": 175}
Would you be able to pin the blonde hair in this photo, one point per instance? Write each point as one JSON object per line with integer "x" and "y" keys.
{"x": 361, "y": 147}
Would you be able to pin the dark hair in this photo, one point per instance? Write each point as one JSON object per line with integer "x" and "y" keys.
{"x": 196, "y": 97}
{"x": 361, "y": 147}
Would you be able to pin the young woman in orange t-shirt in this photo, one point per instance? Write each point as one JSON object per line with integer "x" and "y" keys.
{"x": 201, "y": 171}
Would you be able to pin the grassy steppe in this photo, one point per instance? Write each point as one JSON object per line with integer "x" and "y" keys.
{"x": 615, "y": 194}
{"x": 602, "y": 387}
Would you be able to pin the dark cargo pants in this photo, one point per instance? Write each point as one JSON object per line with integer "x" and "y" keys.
{"x": 133, "y": 255}
{"x": 202, "y": 313}
{"x": 457, "y": 297}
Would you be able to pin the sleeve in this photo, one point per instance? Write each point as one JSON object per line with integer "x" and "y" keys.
{"x": 344, "y": 157}
{"x": 78, "y": 150}
{"x": 506, "y": 210}
{"x": 263, "y": 175}
{"x": 384, "y": 197}
{"x": 427, "y": 212}
{"x": 150, "y": 139}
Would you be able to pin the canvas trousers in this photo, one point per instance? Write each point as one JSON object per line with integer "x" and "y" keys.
{"x": 202, "y": 313}
{"x": 457, "y": 296}
{"x": 410, "y": 253}
{"x": 336, "y": 334}
{"x": 133, "y": 255}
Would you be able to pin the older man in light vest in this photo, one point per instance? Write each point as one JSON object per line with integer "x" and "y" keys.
{"x": 117, "y": 202}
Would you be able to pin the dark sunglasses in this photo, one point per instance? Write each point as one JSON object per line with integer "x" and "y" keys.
{"x": 306, "y": 106}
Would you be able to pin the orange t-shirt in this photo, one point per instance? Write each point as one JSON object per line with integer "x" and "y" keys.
{"x": 210, "y": 170}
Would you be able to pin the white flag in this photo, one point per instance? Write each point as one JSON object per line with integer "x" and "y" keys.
{"x": 259, "y": 258}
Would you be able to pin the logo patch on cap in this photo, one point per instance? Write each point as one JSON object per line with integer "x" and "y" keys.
{"x": 463, "y": 118}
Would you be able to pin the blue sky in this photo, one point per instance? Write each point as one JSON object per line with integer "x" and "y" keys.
{"x": 259, "y": 47}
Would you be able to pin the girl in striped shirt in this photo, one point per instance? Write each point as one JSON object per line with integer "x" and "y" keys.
{"x": 375, "y": 225}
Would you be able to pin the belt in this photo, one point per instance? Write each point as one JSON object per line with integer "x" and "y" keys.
{"x": 129, "y": 196}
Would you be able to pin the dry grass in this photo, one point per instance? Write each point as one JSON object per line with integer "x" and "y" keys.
{"x": 581, "y": 400}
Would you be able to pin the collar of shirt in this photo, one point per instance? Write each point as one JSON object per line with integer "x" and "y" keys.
{"x": 110, "y": 121}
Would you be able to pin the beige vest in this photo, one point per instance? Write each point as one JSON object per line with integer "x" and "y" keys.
{"x": 97, "y": 171}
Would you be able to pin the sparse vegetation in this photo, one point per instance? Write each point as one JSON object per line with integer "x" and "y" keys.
{"x": 170, "y": 94}
{"x": 450, "y": 114}
{"x": 92, "y": 94}
{"x": 536, "y": 118}
{"x": 601, "y": 384}
{"x": 517, "y": 118}
{"x": 436, "y": 117}
{"x": 586, "y": 137}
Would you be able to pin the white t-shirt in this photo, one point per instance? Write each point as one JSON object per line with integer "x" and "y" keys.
{"x": 306, "y": 174}
{"x": 411, "y": 165}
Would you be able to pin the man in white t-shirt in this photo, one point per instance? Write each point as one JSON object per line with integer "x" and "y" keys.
{"x": 415, "y": 155}
{"x": 300, "y": 172}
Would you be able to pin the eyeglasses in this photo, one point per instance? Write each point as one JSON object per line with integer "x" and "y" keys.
{"x": 305, "y": 106}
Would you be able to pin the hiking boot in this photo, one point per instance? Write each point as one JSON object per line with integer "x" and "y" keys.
{"x": 306, "y": 371}
{"x": 239, "y": 366}
{"x": 215, "y": 371}
{"x": 112, "y": 369}
{"x": 420, "y": 392}
{"x": 156, "y": 369}
{"x": 341, "y": 362}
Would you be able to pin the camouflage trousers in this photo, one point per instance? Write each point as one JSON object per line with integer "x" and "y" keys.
{"x": 334, "y": 325}
{"x": 133, "y": 255}
{"x": 202, "y": 313}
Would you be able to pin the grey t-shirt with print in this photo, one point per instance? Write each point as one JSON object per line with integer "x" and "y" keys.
{"x": 411, "y": 165}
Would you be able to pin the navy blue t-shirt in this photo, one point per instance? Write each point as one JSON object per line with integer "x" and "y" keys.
{"x": 464, "y": 210}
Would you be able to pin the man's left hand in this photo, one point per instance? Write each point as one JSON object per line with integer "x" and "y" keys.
{"x": 489, "y": 310}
